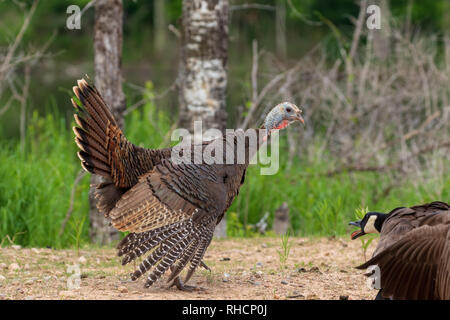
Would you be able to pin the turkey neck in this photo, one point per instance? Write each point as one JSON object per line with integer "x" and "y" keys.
{"x": 245, "y": 146}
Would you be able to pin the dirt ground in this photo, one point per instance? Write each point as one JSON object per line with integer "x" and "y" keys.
{"x": 316, "y": 268}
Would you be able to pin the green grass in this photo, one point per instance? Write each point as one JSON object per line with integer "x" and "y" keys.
{"x": 35, "y": 185}
{"x": 321, "y": 205}
{"x": 284, "y": 251}
{"x": 36, "y": 182}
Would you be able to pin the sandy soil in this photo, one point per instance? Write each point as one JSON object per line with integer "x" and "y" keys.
{"x": 316, "y": 268}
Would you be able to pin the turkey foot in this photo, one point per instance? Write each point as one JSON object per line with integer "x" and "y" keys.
{"x": 185, "y": 287}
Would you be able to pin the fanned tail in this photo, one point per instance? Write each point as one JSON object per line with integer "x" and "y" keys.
{"x": 146, "y": 241}
{"x": 174, "y": 245}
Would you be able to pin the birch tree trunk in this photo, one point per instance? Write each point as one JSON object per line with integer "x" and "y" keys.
{"x": 203, "y": 68}
{"x": 108, "y": 80}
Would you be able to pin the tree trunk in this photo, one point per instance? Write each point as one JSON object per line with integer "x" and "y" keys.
{"x": 108, "y": 80}
{"x": 281, "y": 221}
{"x": 203, "y": 67}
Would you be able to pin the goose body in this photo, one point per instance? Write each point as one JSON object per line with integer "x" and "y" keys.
{"x": 413, "y": 253}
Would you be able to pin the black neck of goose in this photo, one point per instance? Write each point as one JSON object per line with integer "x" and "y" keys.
{"x": 381, "y": 217}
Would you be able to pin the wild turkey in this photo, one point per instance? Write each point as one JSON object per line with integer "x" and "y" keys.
{"x": 413, "y": 253}
{"x": 170, "y": 209}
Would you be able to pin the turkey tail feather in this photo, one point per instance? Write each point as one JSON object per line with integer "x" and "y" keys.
{"x": 94, "y": 120}
{"x": 148, "y": 243}
{"x": 169, "y": 260}
{"x": 184, "y": 259}
{"x": 170, "y": 246}
{"x": 160, "y": 252}
{"x": 198, "y": 256}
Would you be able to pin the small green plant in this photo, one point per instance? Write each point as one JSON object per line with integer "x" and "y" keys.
{"x": 367, "y": 239}
{"x": 234, "y": 225}
{"x": 285, "y": 249}
{"x": 77, "y": 231}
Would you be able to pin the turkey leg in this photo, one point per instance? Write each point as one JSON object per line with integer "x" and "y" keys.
{"x": 184, "y": 287}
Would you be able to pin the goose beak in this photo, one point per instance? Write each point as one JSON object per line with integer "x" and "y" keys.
{"x": 355, "y": 223}
{"x": 357, "y": 233}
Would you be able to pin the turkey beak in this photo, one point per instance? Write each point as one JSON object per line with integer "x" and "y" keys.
{"x": 297, "y": 117}
{"x": 357, "y": 233}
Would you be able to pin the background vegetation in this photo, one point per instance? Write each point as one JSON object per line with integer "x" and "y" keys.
{"x": 323, "y": 180}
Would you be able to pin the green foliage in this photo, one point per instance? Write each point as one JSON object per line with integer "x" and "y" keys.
{"x": 283, "y": 253}
{"x": 323, "y": 205}
{"x": 361, "y": 212}
{"x": 36, "y": 181}
{"x": 235, "y": 228}
{"x": 35, "y": 184}
{"x": 77, "y": 231}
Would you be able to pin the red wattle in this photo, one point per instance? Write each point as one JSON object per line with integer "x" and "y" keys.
{"x": 282, "y": 125}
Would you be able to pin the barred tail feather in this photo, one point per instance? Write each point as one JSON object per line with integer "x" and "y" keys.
{"x": 171, "y": 246}
{"x": 132, "y": 240}
{"x": 149, "y": 242}
{"x": 184, "y": 259}
{"x": 160, "y": 252}
{"x": 169, "y": 260}
{"x": 96, "y": 134}
{"x": 91, "y": 136}
{"x": 198, "y": 256}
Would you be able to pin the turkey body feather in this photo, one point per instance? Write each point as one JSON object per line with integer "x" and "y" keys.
{"x": 170, "y": 209}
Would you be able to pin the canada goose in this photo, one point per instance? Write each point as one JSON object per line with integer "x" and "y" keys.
{"x": 413, "y": 253}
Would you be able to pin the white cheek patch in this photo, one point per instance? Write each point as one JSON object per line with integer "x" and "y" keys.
{"x": 370, "y": 225}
